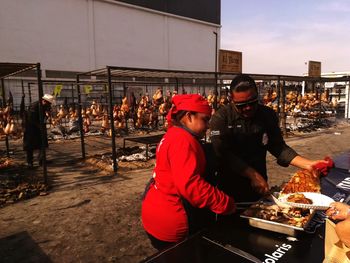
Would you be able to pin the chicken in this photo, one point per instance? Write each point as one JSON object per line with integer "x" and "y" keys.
{"x": 140, "y": 116}
{"x": 86, "y": 121}
{"x": 152, "y": 116}
{"x": 93, "y": 107}
{"x": 165, "y": 107}
{"x": 62, "y": 113}
{"x": 158, "y": 97}
{"x": 10, "y": 127}
{"x": 105, "y": 123}
{"x": 125, "y": 107}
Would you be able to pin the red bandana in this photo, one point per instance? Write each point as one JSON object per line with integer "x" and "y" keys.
{"x": 189, "y": 102}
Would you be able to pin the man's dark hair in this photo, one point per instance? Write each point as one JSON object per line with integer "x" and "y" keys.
{"x": 242, "y": 82}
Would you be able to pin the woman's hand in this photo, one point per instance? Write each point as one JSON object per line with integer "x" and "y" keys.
{"x": 338, "y": 211}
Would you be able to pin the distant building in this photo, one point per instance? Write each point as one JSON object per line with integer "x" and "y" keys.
{"x": 68, "y": 36}
{"x": 83, "y": 35}
{"x": 339, "y": 92}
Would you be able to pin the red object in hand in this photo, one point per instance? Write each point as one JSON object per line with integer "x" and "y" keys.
{"x": 324, "y": 167}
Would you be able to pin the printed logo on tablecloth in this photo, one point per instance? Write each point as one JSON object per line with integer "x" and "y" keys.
{"x": 277, "y": 254}
{"x": 345, "y": 184}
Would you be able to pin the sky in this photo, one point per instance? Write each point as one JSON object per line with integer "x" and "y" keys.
{"x": 279, "y": 36}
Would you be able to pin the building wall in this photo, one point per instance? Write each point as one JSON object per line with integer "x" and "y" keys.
{"x": 84, "y": 35}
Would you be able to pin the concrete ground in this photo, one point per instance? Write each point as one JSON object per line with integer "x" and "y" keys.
{"x": 91, "y": 215}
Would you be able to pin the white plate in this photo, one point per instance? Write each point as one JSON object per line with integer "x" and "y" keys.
{"x": 319, "y": 201}
{"x": 278, "y": 202}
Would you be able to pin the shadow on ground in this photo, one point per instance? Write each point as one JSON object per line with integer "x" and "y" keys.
{"x": 20, "y": 247}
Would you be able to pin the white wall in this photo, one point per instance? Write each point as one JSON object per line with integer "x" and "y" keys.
{"x": 82, "y": 35}
{"x": 47, "y": 31}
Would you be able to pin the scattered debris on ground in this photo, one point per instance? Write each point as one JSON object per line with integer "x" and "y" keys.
{"x": 18, "y": 183}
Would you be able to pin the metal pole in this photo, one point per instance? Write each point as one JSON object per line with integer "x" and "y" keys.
{"x": 30, "y": 94}
{"x": 278, "y": 98}
{"x": 124, "y": 89}
{"x": 22, "y": 100}
{"x": 114, "y": 153}
{"x": 73, "y": 94}
{"x": 42, "y": 122}
{"x": 80, "y": 120}
{"x": 348, "y": 106}
{"x": 5, "y": 123}
{"x": 215, "y": 104}
{"x": 128, "y": 114}
{"x": 177, "y": 86}
{"x": 22, "y": 84}
{"x": 283, "y": 111}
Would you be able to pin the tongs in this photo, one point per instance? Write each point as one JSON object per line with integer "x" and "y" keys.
{"x": 244, "y": 205}
{"x": 269, "y": 197}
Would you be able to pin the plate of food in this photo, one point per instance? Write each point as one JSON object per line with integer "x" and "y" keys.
{"x": 307, "y": 200}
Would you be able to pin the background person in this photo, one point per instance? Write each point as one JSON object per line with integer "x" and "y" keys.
{"x": 32, "y": 139}
{"x": 178, "y": 180}
{"x": 241, "y": 133}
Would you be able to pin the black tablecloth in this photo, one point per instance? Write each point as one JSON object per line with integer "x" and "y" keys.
{"x": 343, "y": 161}
{"x": 231, "y": 239}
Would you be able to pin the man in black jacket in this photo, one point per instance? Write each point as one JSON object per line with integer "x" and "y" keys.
{"x": 32, "y": 139}
{"x": 241, "y": 133}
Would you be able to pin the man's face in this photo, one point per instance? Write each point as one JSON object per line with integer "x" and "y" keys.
{"x": 245, "y": 102}
{"x": 46, "y": 105}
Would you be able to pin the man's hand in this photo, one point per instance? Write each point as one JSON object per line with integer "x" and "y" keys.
{"x": 316, "y": 167}
{"x": 258, "y": 183}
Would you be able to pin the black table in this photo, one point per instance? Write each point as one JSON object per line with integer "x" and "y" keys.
{"x": 231, "y": 239}
{"x": 146, "y": 140}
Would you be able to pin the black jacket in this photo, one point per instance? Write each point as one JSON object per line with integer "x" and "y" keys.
{"x": 240, "y": 143}
{"x": 32, "y": 135}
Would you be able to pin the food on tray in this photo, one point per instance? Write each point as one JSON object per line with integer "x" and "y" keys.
{"x": 315, "y": 201}
{"x": 299, "y": 198}
{"x": 302, "y": 181}
{"x": 290, "y": 216}
{"x": 295, "y": 191}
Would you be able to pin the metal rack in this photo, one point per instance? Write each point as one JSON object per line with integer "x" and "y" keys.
{"x": 8, "y": 70}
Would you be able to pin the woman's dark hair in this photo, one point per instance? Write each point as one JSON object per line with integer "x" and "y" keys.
{"x": 242, "y": 82}
{"x": 178, "y": 116}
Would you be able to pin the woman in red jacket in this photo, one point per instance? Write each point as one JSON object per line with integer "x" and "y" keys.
{"x": 178, "y": 175}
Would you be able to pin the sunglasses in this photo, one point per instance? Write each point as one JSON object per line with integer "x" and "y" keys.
{"x": 242, "y": 105}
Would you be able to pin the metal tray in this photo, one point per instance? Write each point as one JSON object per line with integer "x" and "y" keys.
{"x": 276, "y": 226}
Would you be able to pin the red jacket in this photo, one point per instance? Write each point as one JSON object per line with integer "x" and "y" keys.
{"x": 180, "y": 162}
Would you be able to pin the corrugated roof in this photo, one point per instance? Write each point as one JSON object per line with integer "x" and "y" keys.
{"x": 149, "y": 73}
{"x": 10, "y": 69}
{"x": 125, "y": 72}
